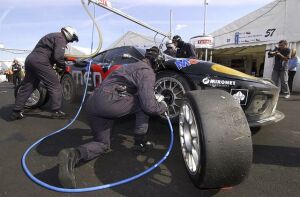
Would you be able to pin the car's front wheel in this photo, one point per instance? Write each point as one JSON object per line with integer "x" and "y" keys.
{"x": 215, "y": 139}
{"x": 172, "y": 86}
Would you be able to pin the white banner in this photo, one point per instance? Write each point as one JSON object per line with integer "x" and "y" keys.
{"x": 202, "y": 42}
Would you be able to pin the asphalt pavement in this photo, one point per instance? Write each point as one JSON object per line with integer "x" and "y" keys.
{"x": 275, "y": 170}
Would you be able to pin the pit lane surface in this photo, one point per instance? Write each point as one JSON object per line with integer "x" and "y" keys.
{"x": 275, "y": 170}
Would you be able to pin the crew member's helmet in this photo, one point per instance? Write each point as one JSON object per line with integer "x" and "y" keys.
{"x": 176, "y": 38}
{"x": 70, "y": 33}
{"x": 169, "y": 44}
{"x": 178, "y": 42}
{"x": 154, "y": 57}
{"x": 153, "y": 52}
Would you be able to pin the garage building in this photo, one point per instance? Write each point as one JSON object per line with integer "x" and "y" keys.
{"x": 243, "y": 43}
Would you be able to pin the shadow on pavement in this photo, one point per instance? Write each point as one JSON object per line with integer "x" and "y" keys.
{"x": 158, "y": 182}
{"x": 36, "y": 113}
{"x": 49, "y": 176}
{"x": 276, "y": 155}
{"x": 67, "y": 139}
{"x": 122, "y": 162}
{"x": 5, "y": 112}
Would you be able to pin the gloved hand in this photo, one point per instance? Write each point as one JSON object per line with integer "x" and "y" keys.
{"x": 159, "y": 97}
{"x": 164, "y": 102}
{"x": 60, "y": 70}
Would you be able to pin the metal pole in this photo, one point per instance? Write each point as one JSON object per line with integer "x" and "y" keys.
{"x": 120, "y": 13}
{"x": 204, "y": 26}
{"x": 171, "y": 20}
{"x": 93, "y": 29}
{"x": 204, "y": 22}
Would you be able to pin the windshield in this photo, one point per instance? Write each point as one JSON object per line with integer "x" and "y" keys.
{"x": 168, "y": 57}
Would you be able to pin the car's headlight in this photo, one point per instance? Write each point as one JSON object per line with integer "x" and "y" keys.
{"x": 230, "y": 71}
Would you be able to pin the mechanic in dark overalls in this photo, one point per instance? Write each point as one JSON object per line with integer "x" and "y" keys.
{"x": 39, "y": 63}
{"x": 128, "y": 90}
{"x": 16, "y": 69}
{"x": 171, "y": 51}
{"x": 184, "y": 50}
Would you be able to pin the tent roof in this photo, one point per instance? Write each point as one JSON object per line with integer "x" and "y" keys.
{"x": 269, "y": 24}
{"x": 76, "y": 50}
{"x": 134, "y": 39}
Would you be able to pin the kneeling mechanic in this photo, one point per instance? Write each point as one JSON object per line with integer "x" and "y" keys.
{"x": 128, "y": 90}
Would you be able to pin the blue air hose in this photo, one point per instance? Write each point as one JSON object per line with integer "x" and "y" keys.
{"x": 89, "y": 189}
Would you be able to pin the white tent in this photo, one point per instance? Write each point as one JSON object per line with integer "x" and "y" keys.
{"x": 6, "y": 64}
{"x": 134, "y": 39}
{"x": 76, "y": 50}
{"x": 266, "y": 26}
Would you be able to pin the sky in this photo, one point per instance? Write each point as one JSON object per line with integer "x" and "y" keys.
{"x": 24, "y": 22}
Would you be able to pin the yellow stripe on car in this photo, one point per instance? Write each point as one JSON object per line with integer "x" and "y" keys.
{"x": 230, "y": 71}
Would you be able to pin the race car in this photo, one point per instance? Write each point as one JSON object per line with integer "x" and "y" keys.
{"x": 258, "y": 97}
{"x": 214, "y": 106}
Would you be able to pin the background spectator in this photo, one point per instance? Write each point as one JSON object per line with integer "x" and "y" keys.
{"x": 293, "y": 63}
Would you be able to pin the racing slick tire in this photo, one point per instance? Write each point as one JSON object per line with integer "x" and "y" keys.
{"x": 36, "y": 99}
{"x": 68, "y": 88}
{"x": 215, "y": 139}
{"x": 172, "y": 85}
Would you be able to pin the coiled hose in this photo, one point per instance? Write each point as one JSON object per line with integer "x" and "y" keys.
{"x": 100, "y": 187}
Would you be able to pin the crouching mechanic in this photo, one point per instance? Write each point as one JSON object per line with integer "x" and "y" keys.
{"x": 39, "y": 63}
{"x": 128, "y": 90}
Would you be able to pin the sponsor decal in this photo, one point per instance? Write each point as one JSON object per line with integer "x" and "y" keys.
{"x": 194, "y": 61}
{"x": 249, "y": 36}
{"x": 202, "y": 42}
{"x": 240, "y": 95}
{"x": 104, "y": 2}
{"x": 182, "y": 63}
{"x": 80, "y": 78}
{"x": 237, "y": 38}
{"x": 217, "y": 82}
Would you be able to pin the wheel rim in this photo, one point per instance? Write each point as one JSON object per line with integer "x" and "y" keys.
{"x": 189, "y": 138}
{"x": 33, "y": 99}
{"x": 67, "y": 89}
{"x": 173, "y": 91}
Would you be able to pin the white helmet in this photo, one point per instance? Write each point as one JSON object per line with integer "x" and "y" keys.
{"x": 169, "y": 43}
{"x": 70, "y": 33}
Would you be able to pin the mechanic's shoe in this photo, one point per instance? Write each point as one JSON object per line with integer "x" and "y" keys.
{"x": 144, "y": 147}
{"x": 58, "y": 115}
{"x": 287, "y": 96}
{"x": 16, "y": 115}
{"x": 67, "y": 159}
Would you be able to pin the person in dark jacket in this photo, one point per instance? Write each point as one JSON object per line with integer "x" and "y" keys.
{"x": 128, "y": 90}
{"x": 171, "y": 51}
{"x": 184, "y": 50}
{"x": 16, "y": 69}
{"x": 280, "y": 69}
{"x": 39, "y": 63}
